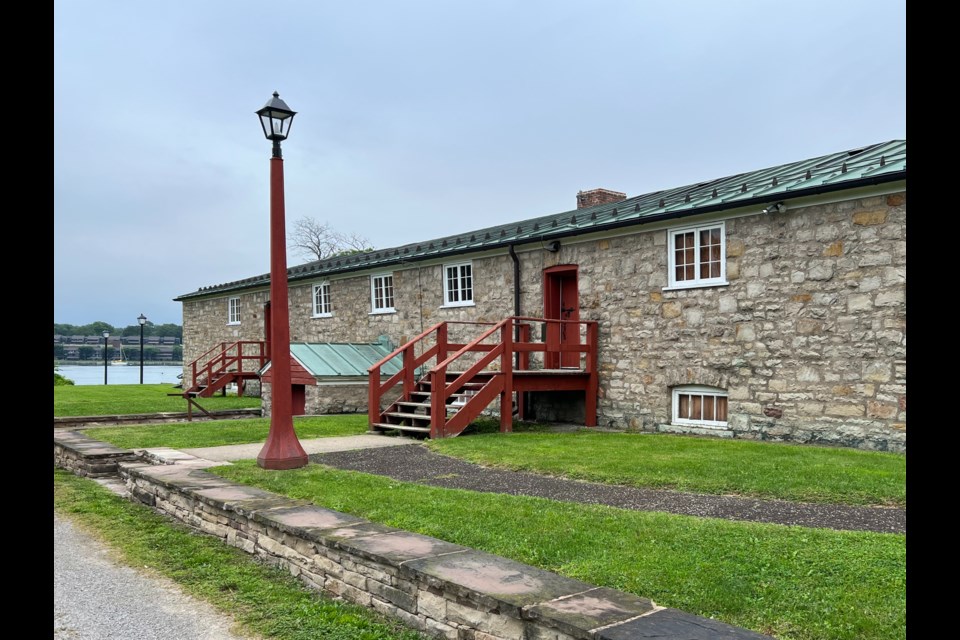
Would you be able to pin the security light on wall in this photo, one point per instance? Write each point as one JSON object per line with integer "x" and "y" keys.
{"x": 779, "y": 207}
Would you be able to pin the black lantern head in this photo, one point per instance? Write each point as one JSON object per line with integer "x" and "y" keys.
{"x": 142, "y": 319}
{"x": 276, "y": 118}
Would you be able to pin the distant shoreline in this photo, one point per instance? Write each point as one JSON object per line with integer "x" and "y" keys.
{"x": 130, "y": 363}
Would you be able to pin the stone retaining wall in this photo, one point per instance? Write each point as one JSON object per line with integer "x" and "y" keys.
{"x": 441, "y": 589}
{"x": 83, "y": 456}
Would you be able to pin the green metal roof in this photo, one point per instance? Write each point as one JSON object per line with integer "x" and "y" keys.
{"x": 328, "y": 359}
{"x": 874, "y": 164}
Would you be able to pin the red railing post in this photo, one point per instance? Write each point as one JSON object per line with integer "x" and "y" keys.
{"x": 524, "y": 364}
{"x": 593, "y": 382}
{"x": 373, "y": 396}
{"x": 506, "y": 367}
{"x": 438, "y": 403}
{"x": 441, "y": 343}
{"x": 409, "y": 364}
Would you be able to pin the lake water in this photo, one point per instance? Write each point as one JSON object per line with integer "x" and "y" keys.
{"x": 117, "y": 374}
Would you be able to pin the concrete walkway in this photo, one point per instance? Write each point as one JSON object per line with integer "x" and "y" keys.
{"x": 234, "y": 452}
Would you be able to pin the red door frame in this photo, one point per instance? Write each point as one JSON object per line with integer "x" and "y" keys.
{"x": 561, "y": 301}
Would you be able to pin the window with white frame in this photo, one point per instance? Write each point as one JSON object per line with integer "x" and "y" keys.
{"x": 381, "y": 293}
{"x": 321, "y": 300}
{"x": 700, "y": 406}
{"x": 698, "y": 256}
{"x": 233, "y": 311}
{"x": 458, "y": 284}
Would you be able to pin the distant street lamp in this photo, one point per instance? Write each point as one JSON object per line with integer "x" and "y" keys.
{"x": 106, "y": 334}
{"x": 282, "y": 450}
{"x": 142, "y": 319}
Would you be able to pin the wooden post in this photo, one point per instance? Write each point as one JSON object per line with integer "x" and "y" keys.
{"x": 593, "y": 382}
{"x": 506, "y": 367}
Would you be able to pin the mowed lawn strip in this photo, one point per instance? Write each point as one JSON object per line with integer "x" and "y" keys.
{"x": 795, "y": 472}
{"x": 215, "y": 433}
{"x": 792, "y": 582}
{"x": 127, "y": 399}
{"x": 264, "y": 600}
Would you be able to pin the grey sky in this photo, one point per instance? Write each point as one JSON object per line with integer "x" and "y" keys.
{"x": 423, "y": 118}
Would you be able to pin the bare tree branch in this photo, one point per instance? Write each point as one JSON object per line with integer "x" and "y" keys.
{"x": 315, "y": 240}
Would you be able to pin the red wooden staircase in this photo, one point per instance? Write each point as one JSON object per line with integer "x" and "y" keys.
{"x": 223, "y": 364}
{"x": 466, "y": 378}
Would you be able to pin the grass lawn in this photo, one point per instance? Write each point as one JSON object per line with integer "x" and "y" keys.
{"x": 702, "y": 465}
{"x": 214, "y": 433}
{"x": 792, "y": 582}
{"x": 263, "y": 600}
{"x": 126, "y": 399}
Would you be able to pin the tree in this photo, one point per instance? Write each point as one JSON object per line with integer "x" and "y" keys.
{"x": 317, "y": 240}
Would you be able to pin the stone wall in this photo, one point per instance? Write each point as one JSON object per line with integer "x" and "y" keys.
{"x": 808, "y": 338}
{"x": 326, "y": 398}
{"x": 86, "y": 457}
{"x": 441, "y": 589}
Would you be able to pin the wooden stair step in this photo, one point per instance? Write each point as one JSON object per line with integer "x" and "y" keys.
{"x": 399, "y": 427}
{"x": 411, "y": 416}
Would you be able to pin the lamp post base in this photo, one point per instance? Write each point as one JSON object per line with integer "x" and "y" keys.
{"x": 282, "y": 453}
{"x": 282, "y": 464}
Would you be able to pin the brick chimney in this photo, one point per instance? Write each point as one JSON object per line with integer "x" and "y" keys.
{"x": 598, "y": 196}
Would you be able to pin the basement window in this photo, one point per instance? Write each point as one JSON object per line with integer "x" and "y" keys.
{"x": 700, "y": 406}
{"x": 381, "y": 293}
{"x": 697, "y": 256}
{"x": 458, "y": 285}
{"x": 233, "y": 310}
{"x": 321, "y": 300}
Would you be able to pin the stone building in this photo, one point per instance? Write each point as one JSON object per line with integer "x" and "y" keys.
{"x": 765, "y": 305}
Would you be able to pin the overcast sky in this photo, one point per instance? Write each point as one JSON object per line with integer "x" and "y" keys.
{"x": 423, "y": 118}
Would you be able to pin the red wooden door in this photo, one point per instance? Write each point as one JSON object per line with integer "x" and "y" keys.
{"x": 561, "y": 301}
{"x": 299, "y": 399}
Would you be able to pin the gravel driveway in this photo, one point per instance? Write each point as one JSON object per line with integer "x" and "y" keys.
{"x": 416, "y": 463}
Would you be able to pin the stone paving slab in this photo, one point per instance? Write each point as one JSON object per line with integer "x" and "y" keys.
{"x": 87, "y": 446}
{"x": 166, "y": 455}
{"x": 509, "y": 585}
{"x": 673, "y": 624}
{"x": 397, "y": 546}
{"x": 599, "y": 607}
{"x": 307, "y": 520}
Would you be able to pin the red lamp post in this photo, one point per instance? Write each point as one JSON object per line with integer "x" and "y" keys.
{"x": 282, "y": 450}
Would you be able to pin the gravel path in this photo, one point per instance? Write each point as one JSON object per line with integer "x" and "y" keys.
{"x": 418, "y": 464}
{"x": 96, "y": 598}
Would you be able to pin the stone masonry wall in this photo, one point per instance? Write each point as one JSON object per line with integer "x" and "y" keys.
{"x": 808, "y": 338}
{"x": 325, "y": 399}
{"x": 442, "y": 589}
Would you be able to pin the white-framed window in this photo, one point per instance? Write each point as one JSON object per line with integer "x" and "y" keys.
{"x": 458, "y": 284}
{"x": 700, "y": 406}
{"x": 698, "y": 256}
{"x": 233, "y": 310}
{"x": 321, "y": 300}
{"x": 381, "y": 293}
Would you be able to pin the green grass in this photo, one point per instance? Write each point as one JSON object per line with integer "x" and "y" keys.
{"x": 702, "y": 465}
{"x": 792, "y": 582}
{"x": 126, "y": 399}
{"x": 215, "y": 433}
{"x": 263, "y": 600}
